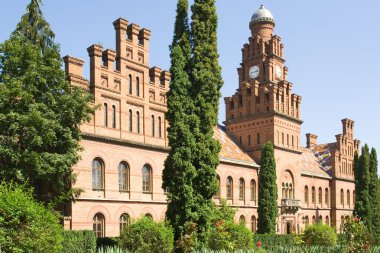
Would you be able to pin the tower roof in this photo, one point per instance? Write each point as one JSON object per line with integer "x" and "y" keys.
{"x": 262, "y": 15}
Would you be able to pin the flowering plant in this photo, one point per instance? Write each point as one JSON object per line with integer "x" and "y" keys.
{"x": 357, "y": 235}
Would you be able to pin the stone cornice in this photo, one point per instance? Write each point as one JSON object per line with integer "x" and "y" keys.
{"x": 264, "y": 115}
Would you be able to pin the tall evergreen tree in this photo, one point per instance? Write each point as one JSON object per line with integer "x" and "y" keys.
{"x": 206, "y": 83}
{"x": 267, "y": 211}
{"x": 179, "y": 172}
{"x": 362, "y": 178}
{"x": 39, "y": 111}
{"x": 374, "y": 191}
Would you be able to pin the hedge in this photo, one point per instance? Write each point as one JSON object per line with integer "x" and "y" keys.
{"x": 107, "y": 242}
{"x": 274, "y": 240}
{"x": 79, "y": 241}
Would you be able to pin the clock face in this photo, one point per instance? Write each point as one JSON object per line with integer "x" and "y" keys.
{"x": 278, "y": 71}
{"x": 254, "y": 72}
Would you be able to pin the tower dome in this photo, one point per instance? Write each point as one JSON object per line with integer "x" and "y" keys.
{"x": 262, "y": 15}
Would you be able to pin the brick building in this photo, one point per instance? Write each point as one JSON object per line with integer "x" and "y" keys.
{"x": 125, "y": 143}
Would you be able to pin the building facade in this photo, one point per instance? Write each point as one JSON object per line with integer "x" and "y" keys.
{"x": 125, "y": 143}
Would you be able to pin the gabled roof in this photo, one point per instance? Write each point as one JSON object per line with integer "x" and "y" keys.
{"x": 231, "y": 152}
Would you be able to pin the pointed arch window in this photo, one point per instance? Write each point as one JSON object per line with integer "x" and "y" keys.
{"x": 138, "y": 86}
{"x": 147, "y": 179}
{"x": 342, "y": 197}
{"x": 253, "y": 190}
{"x": 320, "y": 196}
{"x": 113, "y": 116}
{"x": 253, "y": 224}
{"x": 98, "y": 225}
{"x": 242, "y": 219}
{"x": 229, "y": 187}
{"x": 327, "y": 220}
{"x": 348, "y": 198}
{"x": 97, "y": 175}
{"x": 105, "y": 114}
{"x": 130, "y": 84}
{"x": 306, "y": 195}
{"x": 313, "y": 195}
{"x": 241, "y": 189}
{"x": 153, "y": 127}
{"x": 327, "y": 197}
{"x": 138, "y": 122}
{"x": 307, "y": 221}
{"x": 124, "y": 222}
{"x": 123, "y": 172}
{"x": 159, "y": 127}
{"x": 217, "y": 195}
{"x": 130, "y": 121}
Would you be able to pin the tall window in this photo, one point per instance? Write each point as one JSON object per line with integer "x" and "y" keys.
{"x": 320, "y": 196}
{"x": 159, "y": 127}
{"x": 348, "y": 199}
{"x": 307, "y": 221}
{"x": 306, "y": 195}
{"x": 137, "y": 86}
{"x": 241, "y": 189}
{"x": 242, "y": 219}
{"x": 342, "y": 197}
{"x": 98, "y": 225}
{"x": 327, "y": 197}
{"x": 253, "y": 190}
{"x": 123, "y": 177}
{"x": 327, "y": 220}
{"x": 229, "y": 188}
{"x": 313, "y": 219}
{"x": 283, "y": 139}
{"x": 105, "y": 115}
{"x": 138, "y": 122}
{"x": 253, "y": 224}
{"x": 97, "y": 175}
{"x": 217, "y": 195}
{"x": 313, "y": 195}
{"x": 124, "y": 221}
{"x": 153, "y": 128}
{"x": 147, "y": 179}
{"x": 130, "y": 84}
{"x": 114, "y": 116}
{"x": 130, "y": 121}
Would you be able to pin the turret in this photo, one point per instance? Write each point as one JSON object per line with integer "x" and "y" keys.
{"x": 262, "y": 23}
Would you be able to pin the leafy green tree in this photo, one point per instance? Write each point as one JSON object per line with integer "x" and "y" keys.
{"x": 374, "y": 191}
{"x": 320, "y": 235}
{"x": 362, "y": 168}
{"x": 206, "y": 82}
{"x": 267, "y": 211}
{"x": 40, "y": 113}
{"x": 26, "y": 225}
{"x": 179, "y": 172}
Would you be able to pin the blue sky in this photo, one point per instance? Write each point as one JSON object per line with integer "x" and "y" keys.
{"x": 332, "y": 49}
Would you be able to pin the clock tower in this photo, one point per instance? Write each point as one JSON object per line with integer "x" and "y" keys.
{"x": 264, "y": 108}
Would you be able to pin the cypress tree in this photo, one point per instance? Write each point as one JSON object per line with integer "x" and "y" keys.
{"x": 267, "y": 211}
{"x": 362, "y": 168}
{"x": 39, "y": 111}
{"x": 179, "y": 172}
{"x": 374, "y": 190}
{"x": 206, "y": 83}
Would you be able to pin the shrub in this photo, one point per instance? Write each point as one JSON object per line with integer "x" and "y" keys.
{"x": 230, "y": 237}
{"x": 78, "y": 241}
{"x": 107, "y": 242}
{"x": 358, "y": 238}
{"x": 320, "y": 234}
{"x": 145, "y": 235}
{"x": 274, "y": 240}
{"x": 188, "y": 241}
{"x": 27, "y": 225}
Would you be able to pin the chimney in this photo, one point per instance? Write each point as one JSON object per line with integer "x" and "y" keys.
{"x": 311, "y": 140}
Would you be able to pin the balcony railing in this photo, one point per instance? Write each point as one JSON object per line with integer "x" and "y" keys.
{"x": 290, "y": 203}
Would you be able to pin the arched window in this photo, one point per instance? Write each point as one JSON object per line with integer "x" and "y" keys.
{"x": 313, "y": 195}
{"x": 105, "y": 115}
{"x": 229, "y": 188}
{"x": 159, "y": 127}
{"x": 147, "y": 179}
{"x": 348, "y": 199}
{"x": 153, "y": 128}
{"x": 138, "y": 121}
{"x": 307, "y": 221}
{"x": 320, "y": 219}
{"x": 124, "y": 222}
{"x": 306, "y": 195}
{"x": 242, "y": 219}
{"x": 327, "y": 197}
{"x": 123, "y": 177}
{"x": 283, "y": 196}
{"x": 253, "y": 190}
{"x": 354, "y": 197}
{"x": 283, "y": 139}
{"x": 291, "y": 195}
{"x": 253, "y": 224}
{"x": 217, "y": 195}
{"x": 292, "y": 141}
{"x": 287, "y": 139}
{"x": 138, "y": 86}
{"x": 130, "y": 121}
{"x": 320, "y": 196}
{"x": 97, "y": 175}
{"x": 98, "y": 225}
{"x": 327, "y": 220}
{"x": 149, "y": 216}
{"x": 341, "y": 223}
{"x": 313, "y": 219}
{"x": 113, "y": 116}
{"x": 241, "y": 189}
{"x": 130, "y": 84}
{"x": 342, "y": 197}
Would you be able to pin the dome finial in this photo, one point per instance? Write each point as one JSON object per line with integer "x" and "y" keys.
{"x": 262, "y": 15}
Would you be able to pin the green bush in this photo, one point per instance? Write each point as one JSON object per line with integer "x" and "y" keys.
{"x": 145, "y": 235}
{"x": 274, "y": 240}
{"x": 358, "y": 238}
{"x": 78, "y": 241}
{"x": 26, "y": 225}
{"x": 107, "y": 242}
{"x": 320, "y": 235}
{"x": 230, "y": 236}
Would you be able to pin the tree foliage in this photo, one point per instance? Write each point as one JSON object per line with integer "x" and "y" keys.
{"x": 26, "y": 225}
{"x": 40, "y": 112}
{"x": 267, "y": 211}
{"x": 374, "y": 191}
